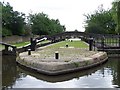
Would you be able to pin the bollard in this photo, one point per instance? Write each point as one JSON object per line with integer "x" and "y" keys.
{"x": 14, "y": 49}
{"x": 119, "y": 40}
{"x": 102, "y": 43}
{"x": 56, "y": 55}
{"x": 33, "y": 44}
{"x": 90, "y": 44}
{"x": 66, "y": 44}
{"x": 6, "y": 47}
{"x": 29, "y": 51}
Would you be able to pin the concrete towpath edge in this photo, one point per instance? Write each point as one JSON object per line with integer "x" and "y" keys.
{"x": 100, "y": 60}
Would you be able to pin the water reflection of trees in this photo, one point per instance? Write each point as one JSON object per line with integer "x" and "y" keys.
{"x": 116, "y": 72}
{"x": 9, "y": 71}
{"x": 114, "y": 66}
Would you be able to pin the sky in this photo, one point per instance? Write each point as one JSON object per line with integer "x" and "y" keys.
{"x": 69, "y": 12}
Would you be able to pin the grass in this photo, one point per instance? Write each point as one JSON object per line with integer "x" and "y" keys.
{"x": 1, "y": 47}
{"x": 47, "y": 54}
{"x": 15, "y": 44}
{"x": 20, "y": 44}
{"x": 26, "y": 43}
{"x": 46, "y": 41}
{"x": 75, "y": 44}
{"x": 67, "y": 54}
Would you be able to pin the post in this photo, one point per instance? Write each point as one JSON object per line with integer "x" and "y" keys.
{"x": 31, "y": 39}
{"x": 29, "y": 51}
{"x": 56, "y": 55}
{"x": 119, "y": 40}
{"x": 6, "y": 47}
{"x": 14, "y": 49}
{"x": 90, "y": 44}
{"x": 53, "y": 40}
{"x": 60, "y": 38}
{"x": 66, "y": 45}
{"x": 102, "y": 42}
{"x": 33, "y": 44}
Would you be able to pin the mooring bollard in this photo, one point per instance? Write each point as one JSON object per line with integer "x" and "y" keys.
{"x": 29, "y": 51}
{"x": 102, "y": 42}
{"x": 56, "y": 55}
{"x": 33, "y": 44}
{"x": 66, "y": 44}
{"x": 119, "y": 40}
{"x": 90, "y": 44}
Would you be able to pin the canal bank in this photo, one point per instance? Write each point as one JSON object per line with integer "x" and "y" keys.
{"x": 107, "y": 74}
{"x": 70, "y": 59}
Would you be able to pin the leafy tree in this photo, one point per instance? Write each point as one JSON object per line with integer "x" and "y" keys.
{"x": 12, "y": 21}
{"x": 95, "y": 28}
{"x": 100, "y": 22}
{"x": 27, "y": 29}
{"x": 0, "y": 19}
{"x": 6, "y": 32}
{"x": 116, "y": 15}
{"x": 41, "y": 24}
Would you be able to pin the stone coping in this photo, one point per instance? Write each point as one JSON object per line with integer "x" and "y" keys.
{"x": 60, "y": 77}
{"x": 51, "y": 66}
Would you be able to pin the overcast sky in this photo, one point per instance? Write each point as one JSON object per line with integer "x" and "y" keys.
{"x": 69, "y": 12}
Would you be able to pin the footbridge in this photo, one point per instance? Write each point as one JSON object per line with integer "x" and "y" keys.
{"x": 102, "y": 42}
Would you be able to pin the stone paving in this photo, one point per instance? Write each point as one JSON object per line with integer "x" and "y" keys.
{"x": 43, "y": 59}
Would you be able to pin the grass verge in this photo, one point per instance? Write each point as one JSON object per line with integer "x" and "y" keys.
{"x": 20, "y": 44}
{"x": 75, "y": 44}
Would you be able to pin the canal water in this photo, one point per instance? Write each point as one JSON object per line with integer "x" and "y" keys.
{"x": 106, "y": 75}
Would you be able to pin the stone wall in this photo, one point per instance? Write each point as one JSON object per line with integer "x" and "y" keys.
{"x": 15, "y": 39}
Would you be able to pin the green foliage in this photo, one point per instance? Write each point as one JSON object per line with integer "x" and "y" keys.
{"x": 100, "y": 22}
{"x": 21, "y": 44}
{"x": 95, "y": 28}
{"x": 12, "y": 21}
{"x": 42, "y": 25}
{"x": 87, "y": 62}
{"x": 77, "y": 64}
{"x": 6, "y": 32}
{"x": 27, "y": 30}
{"x": 116, "y": 14}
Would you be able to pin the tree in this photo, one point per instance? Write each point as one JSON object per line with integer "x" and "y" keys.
{"x": 12, "y": 21}
{"x": 100, "y": 22}
{"x": 27, "y": 29}
{"x": 116, "y": 15}
{"x": 42, "y": 25}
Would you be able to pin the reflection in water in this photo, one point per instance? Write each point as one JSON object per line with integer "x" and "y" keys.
{"x": 115, "y": 68}
{"x": 106, "y": 75}
{"x": 59, "y": 78}
{"x": 117, "y": 82}
{"x": 8, "y": 71}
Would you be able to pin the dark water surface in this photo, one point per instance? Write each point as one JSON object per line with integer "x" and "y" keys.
{"x": 104, "y": 76}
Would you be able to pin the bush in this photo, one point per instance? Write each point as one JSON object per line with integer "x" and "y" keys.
{"x": 6, "y": 32}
